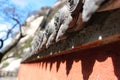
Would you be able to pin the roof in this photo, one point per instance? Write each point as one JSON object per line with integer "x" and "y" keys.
{"x": 83, "y": 37}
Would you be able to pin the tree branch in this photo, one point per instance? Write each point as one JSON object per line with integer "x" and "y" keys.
{"x": 14, "y": 42}
{"x": 1, "y": 43}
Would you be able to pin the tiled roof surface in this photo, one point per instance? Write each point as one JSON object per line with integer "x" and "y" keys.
{"x": 77, "y": 24}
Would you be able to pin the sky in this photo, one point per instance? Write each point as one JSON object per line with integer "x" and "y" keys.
{"x": 34, "y": 4}
{"x": 23, "y": 7}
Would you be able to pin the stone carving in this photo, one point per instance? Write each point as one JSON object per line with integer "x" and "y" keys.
{"x": 56, "y": 28}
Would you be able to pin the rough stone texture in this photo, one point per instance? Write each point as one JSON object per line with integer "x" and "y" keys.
{"x": 102, "y": 24}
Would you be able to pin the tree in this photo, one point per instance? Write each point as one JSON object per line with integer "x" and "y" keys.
{"x": 14, "y": 16}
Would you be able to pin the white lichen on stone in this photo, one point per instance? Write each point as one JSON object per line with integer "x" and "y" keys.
{"x": 54, "y": 30}
{"x": 44, "y": 40}
{"x": 90, "y": 7}
{"x": 37, "y": 40}
{"x": 51, "y": 32}
{"x": 64, "y": 18}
